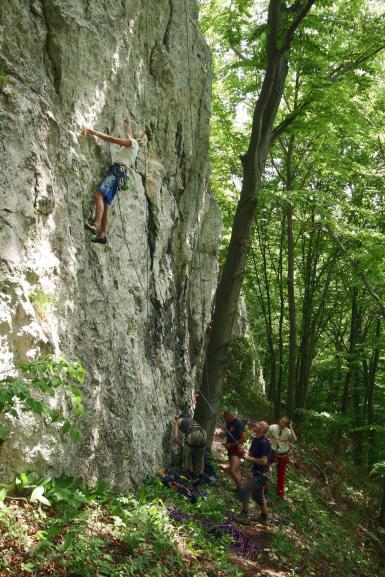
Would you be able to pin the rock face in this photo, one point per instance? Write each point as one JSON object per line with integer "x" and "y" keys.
{"x": 135, "y": 312}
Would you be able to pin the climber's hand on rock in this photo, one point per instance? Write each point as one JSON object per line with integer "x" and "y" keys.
{"x": 87, "y": 131}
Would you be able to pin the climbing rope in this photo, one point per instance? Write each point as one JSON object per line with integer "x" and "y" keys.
{"x": 122, "y": 224}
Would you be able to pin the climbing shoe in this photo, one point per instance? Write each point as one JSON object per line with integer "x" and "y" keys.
{"x": 91, "y": 227}
{"x": 100, "y": 240}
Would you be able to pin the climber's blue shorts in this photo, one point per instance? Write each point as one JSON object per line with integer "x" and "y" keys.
{"x": 109, "y": 186}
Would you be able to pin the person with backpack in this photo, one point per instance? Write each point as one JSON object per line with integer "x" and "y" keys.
{"x": 122, "y": 159}
{"x": 189, "y": 435}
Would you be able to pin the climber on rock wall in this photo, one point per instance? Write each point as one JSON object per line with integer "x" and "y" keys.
{"x": 121, "y": 160}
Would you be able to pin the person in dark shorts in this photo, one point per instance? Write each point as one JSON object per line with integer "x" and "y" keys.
{"x": 188, "y": 434}
{"x": 260, "y": 455}
{"x": 235, "y": 437}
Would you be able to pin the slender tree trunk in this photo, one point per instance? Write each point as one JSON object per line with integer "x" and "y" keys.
{"x": 292, "y": 357}
{"x": 371, "y": 380}
{"x": 382, "y": 503}
{"x": 353, "y": 340}
{"x": 306, "y": 324}
{"x": 265, "y": 304}
{"x": 277, "y": 404}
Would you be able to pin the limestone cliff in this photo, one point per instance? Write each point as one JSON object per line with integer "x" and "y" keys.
{"x": 133, "y": 313}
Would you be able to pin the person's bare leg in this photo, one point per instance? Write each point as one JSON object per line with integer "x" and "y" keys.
{"x": 104, "y": 223}
{"x": 234, "y": 470}
{"x": 99, "y": 203}
{"x": 263, "y": 508}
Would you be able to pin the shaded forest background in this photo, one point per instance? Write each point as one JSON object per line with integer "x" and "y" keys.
{"x": 315, "y": 276}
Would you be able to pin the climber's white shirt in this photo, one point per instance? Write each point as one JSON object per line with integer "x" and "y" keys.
{"x": 125, "y": 155}
{"x": 279, "y": 443}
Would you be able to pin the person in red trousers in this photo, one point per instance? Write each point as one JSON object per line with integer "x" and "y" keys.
{"x": 280, "y": 437}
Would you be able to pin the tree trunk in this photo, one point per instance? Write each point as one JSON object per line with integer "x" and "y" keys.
{"x": 278, "y": 399}
{"x": 370, "y": 384}
{"x": 292, "y": 313}
{"x": 266, "y": 310}
{"x": 382, "y": 504}
{"x": 353, "y": 340}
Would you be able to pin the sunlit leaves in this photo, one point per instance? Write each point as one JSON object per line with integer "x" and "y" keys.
{"x": 38, "y": 381}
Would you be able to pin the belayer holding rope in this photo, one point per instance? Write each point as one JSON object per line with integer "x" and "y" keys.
{"x": 121, "y": 159}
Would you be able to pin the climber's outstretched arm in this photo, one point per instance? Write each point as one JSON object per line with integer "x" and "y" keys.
{"x": 121, "y": 141}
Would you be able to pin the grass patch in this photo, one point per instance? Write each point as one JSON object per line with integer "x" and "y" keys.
{"x": 318, "y": 533}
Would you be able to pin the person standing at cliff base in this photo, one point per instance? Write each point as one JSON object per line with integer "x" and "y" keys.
{"x": 235, "y": 437}
{"x": 189, "y": 435}
{"x": 121, "y": 160}
{"x": 260, "y": 455}
{"x": 280, "y": 436}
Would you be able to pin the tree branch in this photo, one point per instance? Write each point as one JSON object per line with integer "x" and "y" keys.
{"x": 332, "y": 77}
{"x": 355, "y": 263}
{"x": 301, "y": 14}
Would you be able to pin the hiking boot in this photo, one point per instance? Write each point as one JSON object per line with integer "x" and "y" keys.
{"x": 263, "y": 518}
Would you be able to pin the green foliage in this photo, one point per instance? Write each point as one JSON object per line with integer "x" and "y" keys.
{"x": 37, "y": 381}
{"x": 93, "y": 531}
{"x": 327, "y": 165}
{"x": 244, "y": 388}
{"x": 43, "y": 302}
{"x": 378, "y": 471}
{"x": 3, "y": 77}
{"x": 317, "y": 524}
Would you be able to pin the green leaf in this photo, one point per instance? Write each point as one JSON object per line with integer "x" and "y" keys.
{"x": 75, "y": 434}
{"x": 28, "y": 567}
{"x": 3, "y": 494}
{"x": 37, "y": 493}
{"x": 44, "y": 500}
{"x": 66, "y": 427}
{"x": 67, "y": 542}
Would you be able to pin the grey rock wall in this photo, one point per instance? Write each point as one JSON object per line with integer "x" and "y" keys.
{"x": 133, "y": 313}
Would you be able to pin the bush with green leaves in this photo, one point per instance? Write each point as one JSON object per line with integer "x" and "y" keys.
{"x": 37, "y": 381}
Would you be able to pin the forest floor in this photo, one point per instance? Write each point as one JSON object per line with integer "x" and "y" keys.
{"x": 325, "y": 527}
